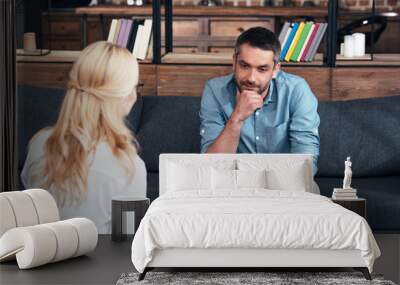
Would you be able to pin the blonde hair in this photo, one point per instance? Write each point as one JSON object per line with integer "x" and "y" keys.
{"x": 101, "y": 77}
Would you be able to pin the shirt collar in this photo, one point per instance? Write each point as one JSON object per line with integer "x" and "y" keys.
{"x": 271, "y": 94}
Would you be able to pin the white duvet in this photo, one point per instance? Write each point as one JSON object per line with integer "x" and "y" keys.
{"x": 252, "y": 218}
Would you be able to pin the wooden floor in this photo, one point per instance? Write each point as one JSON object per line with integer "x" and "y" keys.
{"x": 103, "y": 266}
{"x": 110, "y": 259}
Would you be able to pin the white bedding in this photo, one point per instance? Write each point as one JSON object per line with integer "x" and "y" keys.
{"x": 251, "y": 218}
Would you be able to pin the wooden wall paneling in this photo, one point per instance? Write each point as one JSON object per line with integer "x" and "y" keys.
{"x": 204, "y": 34}
{"x": 61, "y": 31}
{"x": 342, "y": 83}
{"x": 65, "y": 27}
{"x": 319, "y": 79}
{"x": 389, "y": 40}
{"x": 235, "y": 26}
{"x": 185, "y": 50}
{"x": 53, "y": 75}
{"x": 94, "y": 30}
{"x": 222, "y": 49}
{"x": 148, "y": 76}
{"x": 62, "y": 44}
{"x": 189, "y": 80}
{"x": 359, "y": 83}
{"x": 186, "y": 80}
{"x": 183, "y": 27}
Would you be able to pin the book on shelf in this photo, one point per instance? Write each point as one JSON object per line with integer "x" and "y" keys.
{"x": 345, "y": 191}
{"x": 343, "y": 194}
{"x": 117, "y": 30}
{"x": 300, "y": 40}
{"x": 289, "y": 40}
{"x": 286, "y": 37}
{"x": 283, "y": 33}
{"x": 149, "y": 54}
{"x": 306, "y": 40}
{"x": 139, "y": 35}
{"x": 145, "y": 39}
{"x": 309, "y": 41}
{"x": 121, "y": 33}
{"x": 296, "y": 53}
{"x": 317, "y": 40}
{"x": 113, "y": 28}
{"x": 336, "y": 197}
{"x": 124, "y": 41}
{"x": 294, "y": 41}
{"x": 133, "y": 34}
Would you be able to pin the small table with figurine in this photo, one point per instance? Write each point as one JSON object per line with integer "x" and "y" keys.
{"x": 347, "y": 196}
{"x": 357, "y": 205}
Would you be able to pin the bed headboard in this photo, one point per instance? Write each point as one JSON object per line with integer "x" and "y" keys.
{"x": 228, "y": 159}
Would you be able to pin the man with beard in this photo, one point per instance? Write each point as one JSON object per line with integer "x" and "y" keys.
{"x": 258, "y": 108}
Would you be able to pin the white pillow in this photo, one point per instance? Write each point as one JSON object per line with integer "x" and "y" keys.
{"x": 223, "y": 179}
{"x": 292, "y": 179}
{"x": 183, "y": 178}
{"x": 236, "y": 179}
{"x": 251, "y": 178}
{"x": 282, "y": 173}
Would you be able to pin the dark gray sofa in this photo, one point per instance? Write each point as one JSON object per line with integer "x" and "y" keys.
{"x": 367, "y": 130}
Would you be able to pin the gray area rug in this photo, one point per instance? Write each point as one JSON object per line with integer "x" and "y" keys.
{"x": 243, "y": 278}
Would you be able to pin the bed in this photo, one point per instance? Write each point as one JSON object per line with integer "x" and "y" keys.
{"x": 246, "y": 211}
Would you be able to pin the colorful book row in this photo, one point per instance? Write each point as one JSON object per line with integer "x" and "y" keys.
{"x": 133, "y": 34}
{"x": 300, "y": 40}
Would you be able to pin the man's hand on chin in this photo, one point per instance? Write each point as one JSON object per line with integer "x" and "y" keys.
{"x": 247, "y": 102}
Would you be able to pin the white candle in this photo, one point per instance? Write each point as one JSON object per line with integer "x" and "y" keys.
{"x": 342, "y": 49}
{"x": 359, "y": 44}
{"x": 348, "y": 46}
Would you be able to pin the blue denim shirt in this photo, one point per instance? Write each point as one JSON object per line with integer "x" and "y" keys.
{"x": 287, "y": 123}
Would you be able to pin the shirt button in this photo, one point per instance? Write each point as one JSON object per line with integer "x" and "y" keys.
{"x": 257, "y": 113}
{"x": 202, "y": 131}
{"x": 257, "y": 137}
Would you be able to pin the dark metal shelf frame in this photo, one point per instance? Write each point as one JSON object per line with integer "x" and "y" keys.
{"x": 331, "y": 40}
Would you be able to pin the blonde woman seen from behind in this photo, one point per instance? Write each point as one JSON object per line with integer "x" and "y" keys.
{"x": 90, "y": 155}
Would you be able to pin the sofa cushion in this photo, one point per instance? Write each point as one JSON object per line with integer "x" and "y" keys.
{"x": 169, "y": 124}
{"x": 37, "y": 108}
{"x": 382, "y": 194}
{"x": 152, "y": 185}
{"x": 367, "y": 130}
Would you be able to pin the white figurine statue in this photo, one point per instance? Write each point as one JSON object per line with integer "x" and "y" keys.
{"x": 347, "y": 174}
{"x": 94, "y": 3}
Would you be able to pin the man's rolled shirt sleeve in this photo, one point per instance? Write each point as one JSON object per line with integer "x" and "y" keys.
{"x": 304, "y": 123}
{"x": 212, "y": 121}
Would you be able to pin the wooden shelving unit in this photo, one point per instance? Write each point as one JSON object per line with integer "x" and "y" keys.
{"x": 205, "y": 41}
{"x": 209, "y": 20}
{"x": 61, "y": 56}
{"x": 201, "y": 11}
{"x": 380, "y": 59}
{"x": 222, "y": 59}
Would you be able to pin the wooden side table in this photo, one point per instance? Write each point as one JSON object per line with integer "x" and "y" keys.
{"x": 357, "y": 205}
{"x": 126, "y": 204}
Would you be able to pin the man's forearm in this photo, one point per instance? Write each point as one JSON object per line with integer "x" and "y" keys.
{"x": 228, "y": 140}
